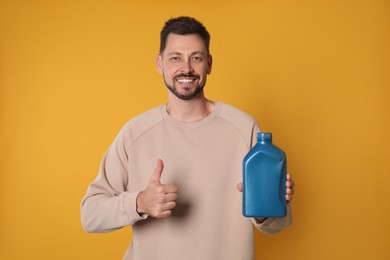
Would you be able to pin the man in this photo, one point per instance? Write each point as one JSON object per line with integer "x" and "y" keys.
{"x": 174, "y": 173}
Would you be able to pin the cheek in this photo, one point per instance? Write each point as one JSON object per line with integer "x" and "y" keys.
{"x": 169, "y": 70}
{"x": 168, "y": 77}
{"x": 204, "y": 70}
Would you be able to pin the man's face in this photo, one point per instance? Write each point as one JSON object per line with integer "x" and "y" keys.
{"x": 184, "y": 65}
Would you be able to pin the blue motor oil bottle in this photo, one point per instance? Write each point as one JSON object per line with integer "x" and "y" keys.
{"x": 264, "y": 179}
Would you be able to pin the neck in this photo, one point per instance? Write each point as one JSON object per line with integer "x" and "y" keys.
{"x": 189, "y": 110}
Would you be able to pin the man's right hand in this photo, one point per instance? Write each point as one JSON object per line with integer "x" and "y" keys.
{"x": 157, "y": 200}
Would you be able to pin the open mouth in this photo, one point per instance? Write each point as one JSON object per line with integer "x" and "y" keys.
{"x": 186, "y": 78}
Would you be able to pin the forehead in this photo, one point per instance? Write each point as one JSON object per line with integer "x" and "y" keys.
{"x": 184, "y": 43}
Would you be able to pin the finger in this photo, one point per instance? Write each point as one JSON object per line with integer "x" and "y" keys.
{"x": 169, "y": 188}
{"x": 165, "y": 210}
{"x": 169, "y": 197}
{"x": 158, "y": 171}
{"x": 290, "y": 184}
{"x": 168, "y": 206}
{"x": 164, "y": 214}
{"x": 289, "y": 177}
{"x": 239, "y": 187}
{"x": 290, "y": 191}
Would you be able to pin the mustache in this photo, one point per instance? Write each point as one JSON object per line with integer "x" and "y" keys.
{"x": 188, "y": 75}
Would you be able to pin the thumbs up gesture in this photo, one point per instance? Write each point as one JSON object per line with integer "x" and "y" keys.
{"x": 157, "y": 200}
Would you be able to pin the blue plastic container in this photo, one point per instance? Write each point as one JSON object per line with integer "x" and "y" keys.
{"x": 264, "y": 179}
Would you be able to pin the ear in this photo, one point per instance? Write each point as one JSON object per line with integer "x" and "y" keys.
{"x": 159, "y": 64}
{"x": 210, "y": 63}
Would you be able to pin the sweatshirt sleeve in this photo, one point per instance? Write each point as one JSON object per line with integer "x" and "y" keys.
{"x": 273, "y": 226}
{"x": 107, "y": 205}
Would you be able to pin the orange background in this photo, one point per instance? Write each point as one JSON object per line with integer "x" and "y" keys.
{"x": 315, "y": 73}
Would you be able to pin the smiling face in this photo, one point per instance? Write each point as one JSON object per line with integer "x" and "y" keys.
{"x": 184, "y": 64}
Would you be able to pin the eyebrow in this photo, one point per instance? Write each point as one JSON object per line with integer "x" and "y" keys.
{"x": 178, "y": 53}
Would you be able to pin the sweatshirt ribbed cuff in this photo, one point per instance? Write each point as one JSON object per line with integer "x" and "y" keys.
{"x": 275, "y": 225}
{"x": 130, "y": 207}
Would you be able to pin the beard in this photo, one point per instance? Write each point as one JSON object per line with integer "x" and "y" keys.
{"x": 187, "y": 96}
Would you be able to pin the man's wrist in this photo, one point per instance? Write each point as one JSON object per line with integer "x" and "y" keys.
{"x": 260, "y": 220}
{"x": 140, "y": 210}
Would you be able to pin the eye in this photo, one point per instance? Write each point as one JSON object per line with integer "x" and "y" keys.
{"x": 174, "y": 58}
{"x": 197, "y": 58}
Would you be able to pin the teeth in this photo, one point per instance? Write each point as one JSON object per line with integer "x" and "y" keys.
{"x": 185, "y": 80}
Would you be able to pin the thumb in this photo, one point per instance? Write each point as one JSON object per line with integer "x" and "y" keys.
{"x": 158, "y": 171}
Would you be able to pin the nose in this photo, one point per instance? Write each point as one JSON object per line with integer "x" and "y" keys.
{"x": 187, "y": 67}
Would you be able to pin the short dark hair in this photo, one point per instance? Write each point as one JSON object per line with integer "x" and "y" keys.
{"x": 184, "y": 25}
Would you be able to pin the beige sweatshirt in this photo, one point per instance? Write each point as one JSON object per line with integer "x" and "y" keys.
{"x": 204, "y": 160}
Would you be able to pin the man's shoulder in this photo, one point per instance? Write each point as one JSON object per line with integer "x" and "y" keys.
{"x": 236, "y": 116}
{"x": 149, "y": 117}
{"x": 142, "y": 123}
{"x": 240, "y": 121}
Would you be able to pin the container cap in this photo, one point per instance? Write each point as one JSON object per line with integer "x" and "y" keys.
{"x": 264, "y": 136}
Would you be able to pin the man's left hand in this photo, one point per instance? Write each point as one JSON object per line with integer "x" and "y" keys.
{"x": 290, "y": 188}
